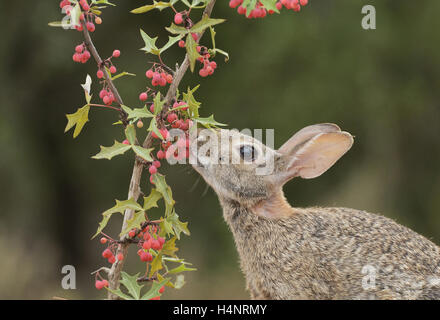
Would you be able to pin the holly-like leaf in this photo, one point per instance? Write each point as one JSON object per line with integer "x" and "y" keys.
{"x": 154, "y": 291}
{"x": 150, "y": 44}
{"x": 178, "y": 226}
{"x": 171, "y": 41}
{"x": 109, "y": 152}
{"x": 137, "y": 113}
{"x": 134, "y": 223}
{"x": 191, "y": 50}
{"x": 77, "y": 119}
{"x": 193, "y": 104}
{"x": 153, "y": 128}
{"x": 120, "y": 207}
{"x": 120, "y": 294}
{"x": 205, "y": 23}
{"x": 163, "y": 188}
{"x": 130, "y": 133}
{"x": 270, "y": 5}
{"x": 156, "y": 264}
{"x": 122, "y": 74}
{"x": 130, "y": 282}
{"x": 158, "y": 103}
{"x": 166, "y": 228}
{"x": 208, "y": 122}
{"x": 151, "y": 200}
{"x": 180, "y": 269}
{"x": 143, "y": 153}
{"x": 169, "y": 248}
{"x": 160, "y": 5}
{"x": 176, "y": 29}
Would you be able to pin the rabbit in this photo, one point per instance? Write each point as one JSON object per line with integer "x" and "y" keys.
{"x": 310, "y": 253}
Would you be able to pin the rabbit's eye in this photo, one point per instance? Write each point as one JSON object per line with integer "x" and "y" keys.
{"x": 248, "y": 153}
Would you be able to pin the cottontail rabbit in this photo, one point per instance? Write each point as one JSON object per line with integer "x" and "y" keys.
{"x": 311, "y": 253}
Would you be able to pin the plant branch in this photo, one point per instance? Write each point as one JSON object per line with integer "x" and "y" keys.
{"x": 134, "y": 189}
{"x": 101, "y": 65}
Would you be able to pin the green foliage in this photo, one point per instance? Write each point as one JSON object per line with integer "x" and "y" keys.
{"x": 77, "y": 119}
{"x": 109, "y": 152}
{"x": 134, "y": 289}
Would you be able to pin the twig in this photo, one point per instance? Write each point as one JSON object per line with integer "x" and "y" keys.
{"x": 91, "y": 47}
{"x": 134, "y": 189}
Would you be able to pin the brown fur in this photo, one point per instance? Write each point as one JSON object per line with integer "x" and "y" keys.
{"x": 317, "y": 253}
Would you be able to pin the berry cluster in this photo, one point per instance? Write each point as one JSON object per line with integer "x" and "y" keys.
{"x": 208, "y": 66}
{"x": 109, "y": 252}
{"x": 158, "y": 76}
{"x": 81, "y": 55}
{"x": 149, "y": 239}
{"x": 86, "y": 15}
{"x": 105, "y": 94}
{"x": 260, "y": 11}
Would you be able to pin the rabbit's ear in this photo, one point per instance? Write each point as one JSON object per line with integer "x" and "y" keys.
{"x": 314, "y": 156}
{"x": 305, "y": 134}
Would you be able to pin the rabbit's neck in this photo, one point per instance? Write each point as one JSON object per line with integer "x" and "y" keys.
{"x": 272, "y": 208}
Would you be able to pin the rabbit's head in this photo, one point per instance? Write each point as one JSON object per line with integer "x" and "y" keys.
{"x": 241, "y": 168}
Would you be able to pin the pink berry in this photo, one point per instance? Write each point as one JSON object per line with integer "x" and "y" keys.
{"x": 100, "y": 74}
{"x": 116, "y": 54}
{"x": 125, "y": 142}
{"x": 152, "y": 169}
{"x": 156, "y": 164}
{"x": 143, "y": 96}
{"x": 90, "y": 26}
{"x": 178, "y": 18}
{"x": 149, "y": 74}
{"x": 182, "y": 43}
{"x": 99, "y": 284}
{"x": 112, "y": 69}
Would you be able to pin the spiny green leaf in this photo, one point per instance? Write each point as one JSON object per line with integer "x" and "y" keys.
{"x": 193, "y": 104}
{"x": 166, "y": 228}
{"x": 178, "y": 226}
{"x": 160, "y": 5}
{"x": 153, "y": 128}
{"x": 120, "y": 294}
{"x": 171, "y": 41}
{"x": 120, "y": 207}
{"x": 191, "y": 50}
{"x": 143, "y": 153}
{"x": 158, "y": 103}
{"x": 163, "y": 188}
{"x": 176, "y": 29}
{"x": 150, "y": 44}
{"x": 122, "y": 74}
{"x": 77, "y": 119}
{"x": 130, "y": 133}
{"x": 169, "y": 248}
{"x": 206, "y": 22}
{"x": 156, "y": 264}
{"x": 134, "y": 223}
{"x": 180, "y": 269}
{"x": 270, "y": 5}
{"x": 130, "y": 282}
{"x": 154, "y": 291}
{"x": 151, "y": 200}
{"x": 137, "y": 113}
{"x": 208, "y": 122}
{"x": 109, "y": 152}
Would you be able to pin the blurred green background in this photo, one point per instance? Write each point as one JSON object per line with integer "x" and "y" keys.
{"x": 285, "y": 72}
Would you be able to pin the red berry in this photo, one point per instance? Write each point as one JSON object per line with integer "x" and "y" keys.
{"x": 112, "y": 69}
{"x": 157, "y": 165}
{"x": 152, "y": 169}
{"x": 149, "y": 74}
{"x": 161, "y": 290}
{"x": 155, "y": 244}
{"x": 132, "y": 233}
{"x": 99, "y": 284}
{"x": 147, "y": 245}
{"x": 160, "y": 154}
{"x": 126, "y": 142}
{"x": 161, "y": 240}
{"x": 79, "y": 48}
{"x": 120, "y": 257}
{"x": 143, "y": 96}
{"x": 98, "y": 20}
{"x": 140, "y": 124}
{"x": 100, "y": 74}
{"x": 112, "y": 259}
{"x": 103, "y": 240}
{"x": 195, "y": 36}
{"x": 107, "y": 253}
{"x": 105, "y": 282}
{"x": 182, "y": 44}
{"x": 116, "y": 54}
{"x": 90, "y": 26}
{"x": 146, "y": 256}
{"x": 178, "y": 18}
{"x": 172, "y": 117}
{"x": 152, "y": 179}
